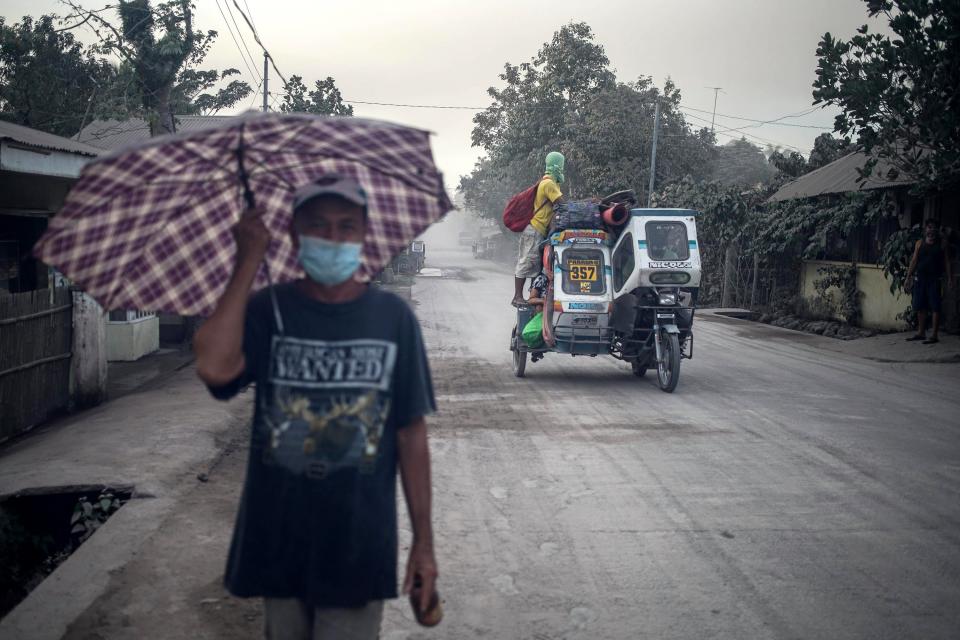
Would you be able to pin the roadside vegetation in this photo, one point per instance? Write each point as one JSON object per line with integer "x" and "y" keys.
{"x": 897, "y": 95}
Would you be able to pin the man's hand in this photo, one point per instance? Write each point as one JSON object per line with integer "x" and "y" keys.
{"x": 908, "y": 284}
{"x": 423, "y": 565}
{"x": 218, "y": 343}
{"x": 251, "y": 236}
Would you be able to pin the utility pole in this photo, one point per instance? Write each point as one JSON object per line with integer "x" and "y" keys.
{"x": 653, "y": 152}
{"x": 716, "y": 92}
{"x": 266, "y": 93}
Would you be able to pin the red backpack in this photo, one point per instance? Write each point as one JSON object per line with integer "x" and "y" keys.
{"x": 519, "y": 211}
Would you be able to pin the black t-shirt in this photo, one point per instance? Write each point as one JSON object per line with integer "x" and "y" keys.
{"x": 930, "y": 263}
{"x": 317, "y": 519}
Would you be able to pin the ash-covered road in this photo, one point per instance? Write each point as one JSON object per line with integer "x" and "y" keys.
{"x": 783, "y": 491}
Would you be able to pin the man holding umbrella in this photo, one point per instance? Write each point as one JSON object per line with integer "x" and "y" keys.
{"x": 343, "y": 386}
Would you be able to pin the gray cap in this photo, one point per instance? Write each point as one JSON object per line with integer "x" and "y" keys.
{"x": 331, "y": 185}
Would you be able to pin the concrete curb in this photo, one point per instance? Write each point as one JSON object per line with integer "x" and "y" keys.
{"x": 832, "y": 345}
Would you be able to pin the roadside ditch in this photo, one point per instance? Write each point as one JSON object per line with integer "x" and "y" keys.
{"x": 41, "y": 528}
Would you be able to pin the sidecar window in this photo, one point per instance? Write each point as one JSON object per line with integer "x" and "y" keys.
{"x": 623, "y": 262}
{"x": 667, "y": 241}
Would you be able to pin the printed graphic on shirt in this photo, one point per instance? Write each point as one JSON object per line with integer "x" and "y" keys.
{"x": 327, "y": 405}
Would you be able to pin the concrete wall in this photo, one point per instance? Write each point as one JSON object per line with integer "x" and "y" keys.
{"x": 128, "y": 341}
{"x": 879, "y": 308}
{"x": 88, "y": 366}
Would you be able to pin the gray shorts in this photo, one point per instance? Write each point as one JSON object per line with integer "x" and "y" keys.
{"x": 531, "y": 256}
{"x": 292, "y": 619}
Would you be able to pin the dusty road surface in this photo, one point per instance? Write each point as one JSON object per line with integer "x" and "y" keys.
{"x": 783, "y": 491}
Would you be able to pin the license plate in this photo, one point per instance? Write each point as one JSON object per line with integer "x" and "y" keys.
{"x": 584, "y": 270}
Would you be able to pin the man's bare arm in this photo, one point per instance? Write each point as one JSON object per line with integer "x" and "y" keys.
{"x": 414, "y": 457}
{"x": 913, "y": 260}
{"x": 218, "y": 343}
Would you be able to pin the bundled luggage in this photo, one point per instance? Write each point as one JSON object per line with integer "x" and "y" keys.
{"x": 577, "y": 215}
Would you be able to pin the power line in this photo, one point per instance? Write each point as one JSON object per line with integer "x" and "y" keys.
{"x": 255, "y": 93}
{"x": 253, "y": 75}
{"x": 726, "y": 132}
{"x": 775, "y": 121}
{"x": 422, "y": 106}
{"x": 240, "y": 35}
{"x": 256, "y": 37}
{"x": 471, "y": 108}
{"x": 249, "y": 13}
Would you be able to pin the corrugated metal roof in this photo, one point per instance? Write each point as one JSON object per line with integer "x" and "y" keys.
{"x": 840, "y": 176}
{"x": 114, "y": 134}
{"x": 43, "y": 140}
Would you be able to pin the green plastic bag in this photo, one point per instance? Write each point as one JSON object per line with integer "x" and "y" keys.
{"x": 533, "y": 331}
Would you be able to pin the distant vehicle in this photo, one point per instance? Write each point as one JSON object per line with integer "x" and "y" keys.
{"x": 411, "y": 260}
{"x": 467, "y": 238}
{"x": 486, "y": 247}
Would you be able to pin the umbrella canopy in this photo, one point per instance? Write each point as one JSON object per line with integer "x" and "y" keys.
{"x": 149, "y": 227}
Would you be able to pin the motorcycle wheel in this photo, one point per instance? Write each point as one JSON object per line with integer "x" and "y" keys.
{"x": 519, "y": 357}
{"x": 668, "y": 368}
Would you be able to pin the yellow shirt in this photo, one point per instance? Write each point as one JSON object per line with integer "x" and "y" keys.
{"x": 547, "y": 193}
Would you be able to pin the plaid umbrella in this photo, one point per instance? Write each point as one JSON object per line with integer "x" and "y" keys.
{"x": 149, "y": 227}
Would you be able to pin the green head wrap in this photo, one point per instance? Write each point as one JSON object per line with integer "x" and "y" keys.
{"x": 555, "y": 162}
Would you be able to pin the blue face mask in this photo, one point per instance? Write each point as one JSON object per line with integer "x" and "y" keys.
{"x": 329, "y": 263}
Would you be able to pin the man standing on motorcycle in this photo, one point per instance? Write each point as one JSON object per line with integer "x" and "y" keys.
{"x": 548, "y": 194}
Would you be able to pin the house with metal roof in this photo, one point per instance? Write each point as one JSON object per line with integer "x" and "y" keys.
{"x": 880, "y": 308}
{"x": 52, "y": 339}
{"x": 840, "y": 176}
{"x": 37, "y": 170}
{"x": 115, "y": 134}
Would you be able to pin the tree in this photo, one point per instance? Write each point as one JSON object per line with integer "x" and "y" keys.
{"x": 325, "y": 99}
{"x": 191, "y": 93}
{"x": 159, "y": 49}
{"x": 48, "y": 80}
{"x": 899, "y": 95}
{"x": 740, "y": 162}
{"x": 792, "y": 165}
{"x": 827, "y": 149}
{"x": 789, "y": 166}
{"x": 611, "y": 140}
{"x": 568, "y": 99}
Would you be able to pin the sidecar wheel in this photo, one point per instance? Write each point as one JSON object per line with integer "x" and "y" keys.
{"x": 519, "y": 357}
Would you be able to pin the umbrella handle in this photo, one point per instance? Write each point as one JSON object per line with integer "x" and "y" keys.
{"x": 273, "y": 297}
{"x": 251, "y": 203}
{"x": 244, "y": 176}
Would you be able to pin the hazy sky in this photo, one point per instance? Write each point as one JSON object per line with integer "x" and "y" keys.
{"x": 762, "y": 52}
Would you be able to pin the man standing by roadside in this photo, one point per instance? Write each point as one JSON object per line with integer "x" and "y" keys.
{"x": 342, "y": 388}
{"x": 929, "y": 262}
{"x": 548, "y": 194}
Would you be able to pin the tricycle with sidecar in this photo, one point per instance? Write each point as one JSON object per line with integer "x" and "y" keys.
{"x": 628, "y": 291}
